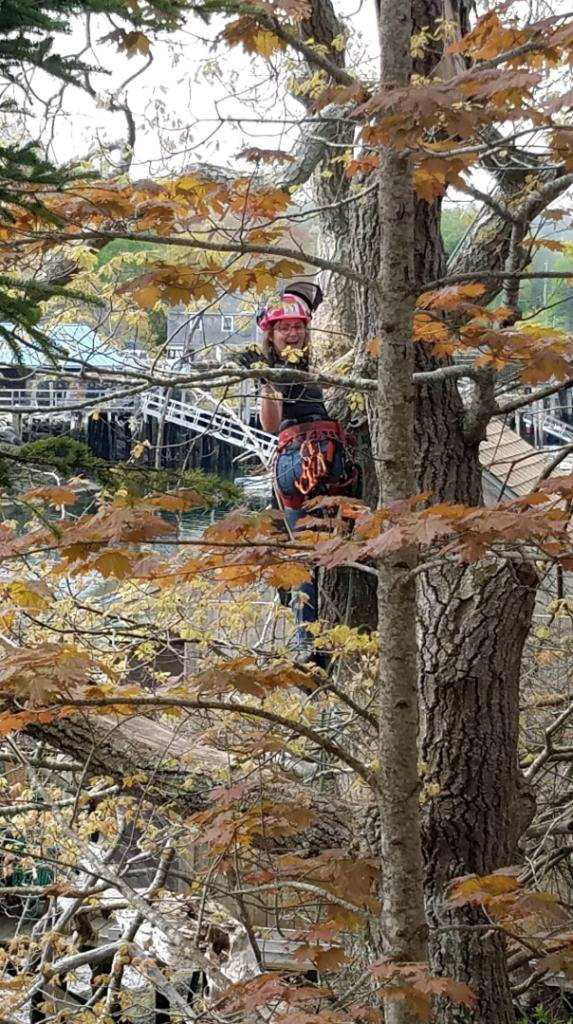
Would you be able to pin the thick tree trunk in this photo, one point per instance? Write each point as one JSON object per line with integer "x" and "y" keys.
{"x": 451, "y": 642}
{"x": 146, "y": 750}
{"x": 116, "y": 746}
{"x": 335, "y": 323}
{"x": 478, "y": 618}
{"x": 473, "y": 622}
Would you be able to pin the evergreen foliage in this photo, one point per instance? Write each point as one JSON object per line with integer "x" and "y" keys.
{"x": 138, "y": 482}
{"x": 65, "y": 455}
{"x": 69, "y": 457}
{"x": 27, "y": 29}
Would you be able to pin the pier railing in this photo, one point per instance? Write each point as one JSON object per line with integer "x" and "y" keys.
{"x": 219, "y": 421}
{"x": 18, "y": 399}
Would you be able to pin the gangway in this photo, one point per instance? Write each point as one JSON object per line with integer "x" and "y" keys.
{"x": 221, "y": 421}
{"x": 550, "y": 424}
{"x": 222, "y": 425}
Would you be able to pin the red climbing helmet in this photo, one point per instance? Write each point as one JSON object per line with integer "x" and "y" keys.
{"x": 299, "y": 301}
{"x": 290, "y": 307}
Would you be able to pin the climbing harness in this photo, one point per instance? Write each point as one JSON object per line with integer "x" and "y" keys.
{"x": 321, "y": 462}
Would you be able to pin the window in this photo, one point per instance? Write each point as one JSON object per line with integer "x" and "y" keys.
{"x": 227, "y": 324}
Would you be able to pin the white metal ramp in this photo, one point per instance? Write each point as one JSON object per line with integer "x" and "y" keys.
{"x": 224, "y": 425}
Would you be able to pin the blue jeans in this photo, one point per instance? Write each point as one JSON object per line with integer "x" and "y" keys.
{"x": 289, "y": 468}
{"x": 304, "y": 597}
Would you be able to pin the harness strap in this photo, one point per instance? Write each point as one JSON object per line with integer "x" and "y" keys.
{"x": 314, "y": 465}
{"x": 313, "y": 428}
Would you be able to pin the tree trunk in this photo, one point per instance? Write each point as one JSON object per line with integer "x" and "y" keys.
{"x": 146, "y": 749}
{"x": 403, "y": 920}
{"x": 478, "y": 619}
{"x": 335, "y": 323}
{"x": 472, "y": 625}
{"x": 449, "y": 468}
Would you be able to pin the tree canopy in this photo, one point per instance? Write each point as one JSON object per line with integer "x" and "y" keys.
{"x": 398, "y": 822}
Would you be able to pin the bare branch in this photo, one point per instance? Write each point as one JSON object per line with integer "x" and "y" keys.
{"x": 555, "y": 462}
{"x": 483, "y": 197}
{"x": 297, "y": 727}
{"x": 317, "y": 59}
{"x": 519, "y": 403}
{"x": 499, "y": 275}
{"x": 547, "y": 751}
{"x": 243, "y": 248}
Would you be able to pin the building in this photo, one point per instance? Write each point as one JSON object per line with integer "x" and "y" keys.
{"x": 207, "y": 335}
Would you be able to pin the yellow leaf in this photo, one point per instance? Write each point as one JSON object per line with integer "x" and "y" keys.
{"x": 190, "y": 183}
{"x": 239, "y": 574}
{"x": 252, "y": 38}
{"x": 428, "y": 329}
{"x": 146, "y": 297}
{"x": 113, "y": 563}
{"x": 428, "y": 185}
{"x": 55, "y": 495}
{"x": 135, "y": 42}
{"x": 30, "y": 595}
{"x": 178, "y": 502}
{"x": 266, "y": 43}
{"x": 21, "y": 981}
{"x": 241, "y": 280}
{"x": 451, "y": 296}
{"x": 479, "y": 889}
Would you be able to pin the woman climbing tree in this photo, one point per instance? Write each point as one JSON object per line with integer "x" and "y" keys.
{"x": 314, "y": 453}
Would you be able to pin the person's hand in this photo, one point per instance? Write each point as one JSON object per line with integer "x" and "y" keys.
{"x": 269, "y": 391}
{"x": 252, "y": 357}
{"x": 249, "y": 357}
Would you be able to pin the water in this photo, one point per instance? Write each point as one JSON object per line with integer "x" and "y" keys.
{"x": 191, "y": 523}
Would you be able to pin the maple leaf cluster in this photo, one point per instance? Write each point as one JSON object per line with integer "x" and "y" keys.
{"x": 439, "y": 122}
{"x": 53, "y": 680}
{"x": 451, "y": 320}
{"x": 171, "y": 207}
{"x": 245, "y": 548}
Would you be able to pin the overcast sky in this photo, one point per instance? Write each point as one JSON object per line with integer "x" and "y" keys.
{"x": 177, "y": 101}
{"x": 192, "y": 83}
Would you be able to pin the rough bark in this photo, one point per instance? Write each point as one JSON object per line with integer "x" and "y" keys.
{"x": 403, "y": 891}
{"x": 457, "y": 625}
{"x": 331, "y": 190}
{"x": 137, "y": 745}
{"x": 486, "y": 244}
{"x": 109, "y": 745}
{"x": 479, "y": 618}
